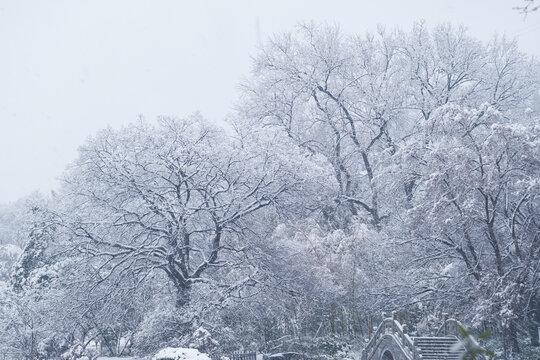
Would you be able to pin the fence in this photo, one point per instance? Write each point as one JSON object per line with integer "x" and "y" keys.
{"x": 243, "y": 356}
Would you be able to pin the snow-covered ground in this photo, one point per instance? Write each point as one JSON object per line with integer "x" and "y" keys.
{"x": 180, "y": 354}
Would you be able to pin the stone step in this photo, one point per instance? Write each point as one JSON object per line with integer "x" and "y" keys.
{"x": 435, "y": 342}
{"x": 427, "y": 340}
{"x": 436, "y": 348}
{"x": 438, "y": 353}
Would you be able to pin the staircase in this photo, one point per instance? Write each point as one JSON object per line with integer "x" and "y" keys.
{"x": 391, "y": 341}
{"x": 436, "y": 348}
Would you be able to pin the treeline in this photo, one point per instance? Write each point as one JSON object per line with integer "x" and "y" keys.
{"x": 395, "y": 171}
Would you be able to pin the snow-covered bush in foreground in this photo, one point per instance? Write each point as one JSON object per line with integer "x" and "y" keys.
{"x": 79, "y": 352}
{"x": 203, "y": 341}
{"x": 180, "y": 354}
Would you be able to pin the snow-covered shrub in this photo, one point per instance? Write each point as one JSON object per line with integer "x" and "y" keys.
{"x": 164, "y": 326}
{"x": 332, "y": 345}
{"x": 530, "y": 353}
{"x": 203, "y": 341}
{"x": 79, "y": 352}
{"x": 52, "y": 348}
{"x": 180, "y": 354}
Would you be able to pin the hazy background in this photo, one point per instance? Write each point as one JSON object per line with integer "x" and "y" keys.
{"x": 70, "y": 68}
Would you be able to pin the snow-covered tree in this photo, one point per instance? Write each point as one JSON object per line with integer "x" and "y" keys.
{"x": 179, "y": 199}
{"x": 476, "y": 206}
{"x": 336, "y": 96}
{"x": 394, "y": 170}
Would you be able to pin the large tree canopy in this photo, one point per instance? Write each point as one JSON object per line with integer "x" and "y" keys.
{"x": 353, "y": 99}
{"x": 391, "y": 171}
{"x": 176, "y": 197}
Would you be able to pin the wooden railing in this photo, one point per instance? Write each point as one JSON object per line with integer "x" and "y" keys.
{"x": 392, "y": 327}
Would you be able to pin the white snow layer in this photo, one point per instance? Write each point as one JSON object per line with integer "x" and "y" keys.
{"x": 180, "y": 354}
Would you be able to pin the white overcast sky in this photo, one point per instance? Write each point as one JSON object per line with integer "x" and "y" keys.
{"x": 70, "y": 68}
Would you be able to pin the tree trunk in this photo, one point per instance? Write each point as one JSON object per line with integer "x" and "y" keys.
{"x": 533, "y": 333}
{"x": 534, "y": 322}
{"x": 511, "y": 338}
{"x": 183, "y": 296}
